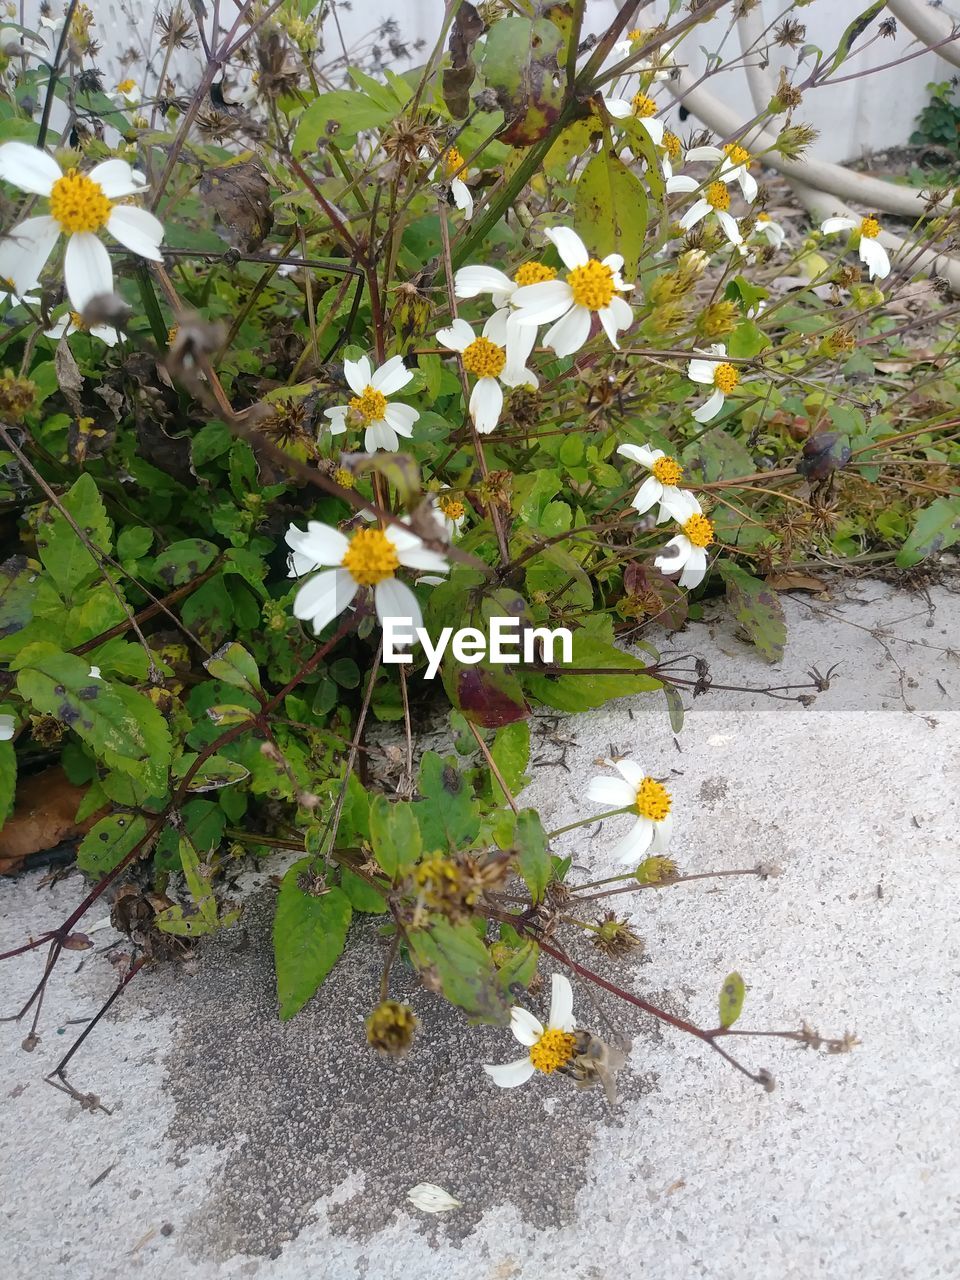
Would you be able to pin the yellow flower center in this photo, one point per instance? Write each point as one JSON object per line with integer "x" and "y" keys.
{"x": 737, "y": 155}
{"x": 371, "y": 405}
{"x": 451, "y": 507}
{"x": 78, "y": 203}
{"x": 592, "y": 285}
{"x": 345, "y": 478}
{"x": 636, "y": 34}
{"x": 172, "y": 334}
{"x": 533, "y": 273}
{"x": 699, "y": 530}
{"x": 453, "y": 165}
{"x": 725, "y": 378}
{"x": 672, "y": 145}
{"x": 653, "y": 800}
{"x": 484, "y": 359}
{"x": 870, "y": 227}
{"x": 667, "y": 471}
{"x": 126, "y": 86}
{"x": 643, "y": 106}
{"x": 554, "y": 1049}
{"x": 371, "y": 557}
{"x": 76, "y": 319}
{"x": 717, "y": 196}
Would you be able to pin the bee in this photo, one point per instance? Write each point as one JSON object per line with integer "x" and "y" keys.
{"x": 594, "y": 1062}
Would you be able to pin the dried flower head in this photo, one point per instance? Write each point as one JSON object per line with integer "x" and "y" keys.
{"x": 390, "y": 1028}
{"x": 614, "y": 937}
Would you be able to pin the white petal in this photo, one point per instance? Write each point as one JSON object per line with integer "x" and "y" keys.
{"x": 469, "y": 281}
{"x": 696, "y": 213}
{"x": 430, "y": 1198}
{"x": 496, "y": 327}
{"x": 748, "y": 184}
{"x": 462, "y": 197}
{"x": 641, "y": 453}
{"x": 543, "y": 302}
{"x": 662, "y": 831}
{"x": 622, "y": 312}
{"x": 674, "y": 505}
{"x": 24, "y": 253}
{"x": 570, "y": 332}
{"x": 610, "y": 318}
{"x": 654, "y": 128}
{"x": 458, "y": 336}
{"x": 323, "y": 597}
{"x": 28, "y": 168}
{"x": 831, "y": 225}
{"x": 338, "y": 419}
{"x": 569, "y": 246}
{"x": 681, "y": 182}
{"x": 323, "y": 543}
{"x": 380, "y": 435}
{"x": 561, "y": 1003}
{"x": 518, "y": 341}
{"x": 619, "y": 108}
{"x": 702, "y": 371}
{"x": 116, "y": 179}
{"x": 137, "y": 230}
{"x": 400, "y": 417}
{"x": 695, "y": 568}
{"x": 509, "y": 1074}
{"x": 710, "y": 407}
{"x": 712, "y": 155}
{"x": 394, "y": 599}
{"x": 357, "y": 374}
{"x": 412, "y": 553}
{"x": 525, "y": 1027}
{"x": 635, "y": 843}
{"x": 648, "y": 494}
{"x": 631, "y": 773}
{"x": 86, "y": 269}
{"x": 611, "y": 791}
{"x": 7, "y": 727}
{"x": 730, "y": 228}
{"x": 106, "y": 334}
{"x": 673, "y": 555}
{"x": 874, "y": 255}
{"x": 62, "y": 327}
{"x": 391, "y": 376}
{"x": 486, "y": 402}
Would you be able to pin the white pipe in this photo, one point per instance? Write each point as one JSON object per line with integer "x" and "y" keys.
{"x": 930, "y": 26}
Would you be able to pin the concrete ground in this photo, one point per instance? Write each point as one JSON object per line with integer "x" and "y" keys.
{"x": 240, "y": 1147}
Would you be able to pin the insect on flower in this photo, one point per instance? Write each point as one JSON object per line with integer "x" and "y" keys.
{"x": 72, "y": 322}
{"x": 591, "y": 288}
{"x": 81, "y": 205}
{"x": 549, "y": 1047}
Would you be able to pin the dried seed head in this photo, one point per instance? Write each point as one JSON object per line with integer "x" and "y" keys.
{"x": 390, "y": 1028}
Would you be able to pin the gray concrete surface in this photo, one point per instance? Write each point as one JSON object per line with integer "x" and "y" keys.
{"x": 240, "y": 1147}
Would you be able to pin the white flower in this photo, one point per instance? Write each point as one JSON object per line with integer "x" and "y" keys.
{"x": 734, "y": 162}
{"x": 661, "y": 485}
{"x": 773, "y": 231}
{"x": 719, "y": 374}
{"x": 7, "y": 727}
{"x": 453, "y": 170}
{"x": 384, "y": 421}
{"x": 714, "y": 200}
{"x": 488, "y": 362}
{"x": 503, "y": 326}
{"x": 368, "y": 558}
{"x": 662, "y": 63}
{"x": 548, "y": 1047}
{"x": 590, "y": 289}
{"x": 72, "y": 322}
{"x": 14, "y": 298}
{"x": 648, "y": 798}
{"x": 872, "y": 252}
{"x": 430, "y": 1198}
{"x": 81, "y": 204}
{"x": 687, "y": 551}
{"x": 451, "y": 514}
{"x": 640, "y": 107}
{"x": 127, "y": 93}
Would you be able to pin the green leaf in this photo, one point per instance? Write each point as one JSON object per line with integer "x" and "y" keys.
{"x": 233, "y": 665}
{"x": 731, "y": 999}
{"x": 511, "y": 752}
{"x": 226, "y": 714}
{"x": 394, "y": 835}
{"x": 202, "y": 915}
{"x": 109, "y": 841}
{"x": 611, "y": 210}
{"x": 855, "y": 29}
{"x": 757, "y": 609}
{"x": 447, "y": 812}
{"x": 309, "y": 934}
{"x": 217, "y": 772}
{"x": 121, "y": 725}
{"x": 936, "y": 528}
{"x": 338, "y": 117}
{"x": 363, "y": 896}
{"x": 17, "y": 591}
{"x": 519, "y": 968}
{"x": 580, "y": 692}
{"x": 64, "y": 555}
{"x": 8, "y": 779}
{"x": 746, "y": 341}
{"x": 464, "y": 967}
{"x": 532, "y": 855}
{"x": 520, "y": 61}
{"x": 183, "y": 561}
{"x": 133, "y": 542}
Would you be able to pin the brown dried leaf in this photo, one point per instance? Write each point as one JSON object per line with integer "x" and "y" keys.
{"x": 240, "y": 196}
{"x": 43, "y": 817}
